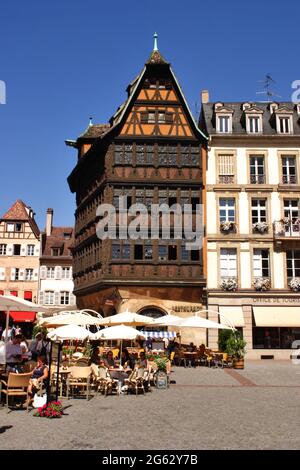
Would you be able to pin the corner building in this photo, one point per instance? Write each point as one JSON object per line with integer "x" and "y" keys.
{"x": 252, "y": 184}
{"x": 151, "y": 152}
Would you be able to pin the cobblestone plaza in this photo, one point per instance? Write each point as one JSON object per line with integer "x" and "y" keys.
{"x": 256, "y": 408}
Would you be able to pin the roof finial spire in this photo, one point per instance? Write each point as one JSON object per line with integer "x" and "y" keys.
{"x": 155, "y": 48}
{"x": 91, "y": 122}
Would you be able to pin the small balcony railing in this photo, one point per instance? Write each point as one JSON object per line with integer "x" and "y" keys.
{"x": 226, "y": 179}
{"x": 286, "y": 228}
{"x": 257, "y": 179}
{"x": 289, "y": 179}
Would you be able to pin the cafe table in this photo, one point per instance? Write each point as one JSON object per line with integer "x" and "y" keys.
{"x": 120, "y": 375}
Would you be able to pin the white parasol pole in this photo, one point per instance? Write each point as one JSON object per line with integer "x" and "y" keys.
{"x": 121, "y": 353}
{"x": 7, "y": 324}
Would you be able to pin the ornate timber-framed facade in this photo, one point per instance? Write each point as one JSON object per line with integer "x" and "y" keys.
{"x": 150, "y": 152}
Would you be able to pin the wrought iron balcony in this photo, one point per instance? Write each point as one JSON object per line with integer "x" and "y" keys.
{"x": 257, "y": 179}
{"x": 286, "y": 228}
{"x": 226, "y": 179}
{"x": 289, "y": 179}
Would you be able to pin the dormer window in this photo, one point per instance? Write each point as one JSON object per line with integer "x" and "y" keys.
{"x": 223, "y": 118}
{"x": 284, "y": 120}
{"x": 284, "y": 125}
{"x": 254, "y": 125}
{"x": 224, "y": 124}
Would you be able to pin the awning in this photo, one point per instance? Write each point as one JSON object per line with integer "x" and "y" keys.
{"x": 159, "y": 334}
{"x": 277, "y": 316}
{"x": 234, "y": 314}
{"x": 19, "y": 317}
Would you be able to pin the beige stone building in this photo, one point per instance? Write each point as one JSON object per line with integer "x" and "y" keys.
{"x": 252, "y": 183}
{"x": 19, "y": 258}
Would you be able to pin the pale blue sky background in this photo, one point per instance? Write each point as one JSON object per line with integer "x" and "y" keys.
{"x": 66, "y": 60}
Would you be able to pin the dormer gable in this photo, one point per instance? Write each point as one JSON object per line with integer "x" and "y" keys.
{"x": 220, "y": 108}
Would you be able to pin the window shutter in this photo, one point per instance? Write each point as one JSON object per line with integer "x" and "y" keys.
{"x": 23, "y": 250}
{"x": 43, "y": 272}
{"x": 56, "y": 298}
{"x": 41, "y": 297}
{"x": 57, "y": 272}
{"x": 226, "y": 165}
{"x": 257, "y": 263}
{"x": 36, "y": 250}
{"x": 9, "y": 249}
{"x": 72, "y": 299}
{"x": 35, "y": 273}
{"x": 13, "y": 274}
{"x": 2, "y": 274}
{"x": 21, "y": 275}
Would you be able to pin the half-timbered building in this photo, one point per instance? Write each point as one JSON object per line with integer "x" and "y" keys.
{"x": 150, "y": 152}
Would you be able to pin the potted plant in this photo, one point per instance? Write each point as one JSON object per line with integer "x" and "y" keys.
{"x": 295, "y": 284}
{"x": 262, "y": 283}
{"x": 229, "y": 284}
{"x": 226, "y": 226}
{"x": 235, "y": 347}
{"x": 260, "y": 227}
{"x": 161, "y": 377}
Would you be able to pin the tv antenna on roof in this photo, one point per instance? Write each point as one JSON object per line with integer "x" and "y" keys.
{"x": 267, "y": 84}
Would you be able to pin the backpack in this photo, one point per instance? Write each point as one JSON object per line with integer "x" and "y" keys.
{"x": 43, "y": 351}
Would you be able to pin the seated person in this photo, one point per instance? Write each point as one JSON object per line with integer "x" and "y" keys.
{"x": 14, "y": 354}
{"x": 39, "y": 374}
{"x": 142, "y": 361}
{"x": 109, "y": 360}
{"x": 127, "y": 360}
{"x": 95, "y": 357}
{"x": 202, "y": 349}
{"x": 191, "y": 347}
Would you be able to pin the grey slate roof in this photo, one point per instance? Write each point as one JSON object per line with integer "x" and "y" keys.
{"x": 207, "y": 121}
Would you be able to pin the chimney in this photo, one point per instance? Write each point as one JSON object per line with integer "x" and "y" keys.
{"x": 49, "y": 219}
{"x": 204, "y": 96}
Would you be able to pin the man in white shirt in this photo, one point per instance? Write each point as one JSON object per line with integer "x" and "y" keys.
{"x": 13, "y": 353}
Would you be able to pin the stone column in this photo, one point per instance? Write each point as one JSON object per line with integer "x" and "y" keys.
{"x": 213, "y": 334}
{"x": 247, "y": 330}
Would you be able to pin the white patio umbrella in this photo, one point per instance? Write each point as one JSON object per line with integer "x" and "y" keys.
{"x": 127, "y": 318}
{"x": 70, "y": 332}
{"x": 119, "y": 332}
{"x": 66, "y": 333}
{"x": 167, "y": 320}
{"x": 199, "y": 322}
{"x": 70, "y": 318}
{"x": 13, "y": 303}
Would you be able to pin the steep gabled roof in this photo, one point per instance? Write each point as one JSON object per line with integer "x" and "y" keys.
{"x": 17, "y": 211}
{"x": 20, "y": 212}
{"x": 58, "y": 239}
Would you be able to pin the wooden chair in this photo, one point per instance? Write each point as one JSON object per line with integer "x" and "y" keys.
{"x": 136, "y": 380}
{"x": 16, "y": 386}
{"x": 79, "y": 378}
{"x": 104, "y": 382}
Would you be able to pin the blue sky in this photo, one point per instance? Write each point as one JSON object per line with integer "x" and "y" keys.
{"x": 65, "y": 60}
